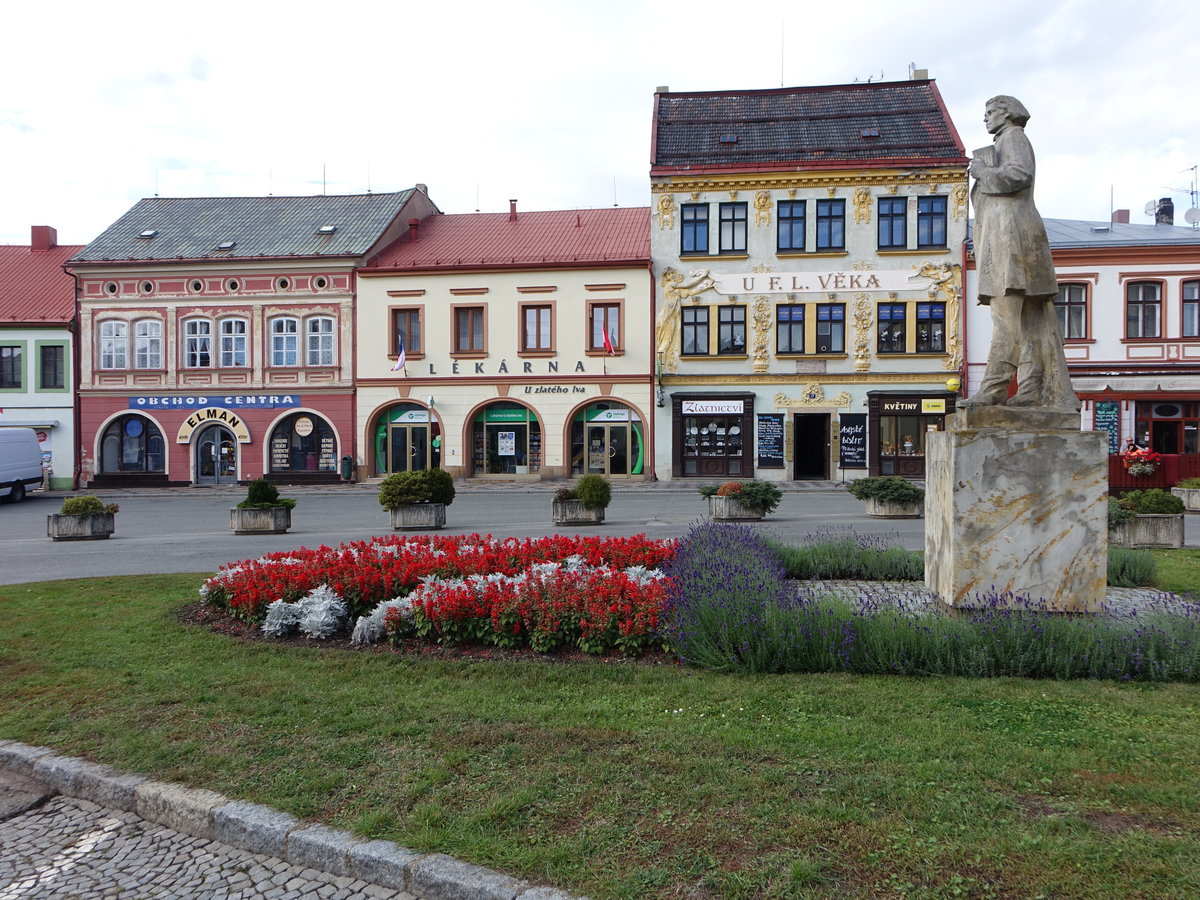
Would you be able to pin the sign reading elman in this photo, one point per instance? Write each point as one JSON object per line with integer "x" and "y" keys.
{"x": 810, "y": 282}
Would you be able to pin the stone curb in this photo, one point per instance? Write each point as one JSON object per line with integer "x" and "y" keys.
{"x": 262, "y": 830}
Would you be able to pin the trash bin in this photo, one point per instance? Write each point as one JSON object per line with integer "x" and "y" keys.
{"x": 347, "y": 467}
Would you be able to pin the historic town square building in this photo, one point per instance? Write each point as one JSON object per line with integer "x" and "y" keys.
{"x": 807, "y": 246}
{"x": 217, "y": 336}
{"x": 1129, "y": 311}
{"x": 37, "y": 366}
{"x": 511, "y": 346}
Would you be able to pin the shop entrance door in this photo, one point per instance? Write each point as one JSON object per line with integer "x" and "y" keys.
{"x": 811, "y": 447}
{"x": 216, "y": 456}
{"x": 608, "y": 449}
{"x": 408, "y": 448}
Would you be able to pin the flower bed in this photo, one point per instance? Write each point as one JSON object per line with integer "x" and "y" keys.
{"x": 589, "y": 592}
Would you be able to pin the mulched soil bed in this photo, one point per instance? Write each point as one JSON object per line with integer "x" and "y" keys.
{"x": 203, "y": 615}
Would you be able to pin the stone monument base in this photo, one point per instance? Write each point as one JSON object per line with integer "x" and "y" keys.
{"x": 1016, "y": 502}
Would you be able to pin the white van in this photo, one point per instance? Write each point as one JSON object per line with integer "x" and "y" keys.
{"x": 20, "y": 463}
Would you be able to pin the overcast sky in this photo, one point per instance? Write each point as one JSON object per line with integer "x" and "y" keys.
{"x": 547, "y": 102}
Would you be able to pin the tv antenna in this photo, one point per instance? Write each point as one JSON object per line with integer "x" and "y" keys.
{"x": 1192, "y": 216}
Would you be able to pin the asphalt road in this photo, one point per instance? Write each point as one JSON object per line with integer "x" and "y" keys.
{"x": 187, "y": 529}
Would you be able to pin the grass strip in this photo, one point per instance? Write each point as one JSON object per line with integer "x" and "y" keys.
{"x": 623, "y": 780}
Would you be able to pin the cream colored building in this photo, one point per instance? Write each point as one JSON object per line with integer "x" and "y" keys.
{"x": 526, "y": 341}
{"x": 807, "y": 247}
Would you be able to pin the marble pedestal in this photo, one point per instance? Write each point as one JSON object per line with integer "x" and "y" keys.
{"x": 1016, "y": 500}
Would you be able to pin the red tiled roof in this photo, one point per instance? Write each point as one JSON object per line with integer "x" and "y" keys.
{"x": 34, "y": 287}
{"x": 558, "y": 237}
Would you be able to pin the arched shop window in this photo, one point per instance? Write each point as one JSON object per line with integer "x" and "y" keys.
{"x": 506, "y": 438}
{"x": 407, "y": 439}
{"x": 607, "y": 439}
{"x": 132, "y": 443}
{"x": 303, "y": 442}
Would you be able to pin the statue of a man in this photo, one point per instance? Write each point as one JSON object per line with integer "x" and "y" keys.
{"x": 1016, "y": 273}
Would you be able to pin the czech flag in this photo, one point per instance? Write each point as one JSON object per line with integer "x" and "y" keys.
{"x": 400, "y": 358}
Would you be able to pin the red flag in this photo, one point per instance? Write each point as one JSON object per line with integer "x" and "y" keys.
{"x": 608, "y": 344}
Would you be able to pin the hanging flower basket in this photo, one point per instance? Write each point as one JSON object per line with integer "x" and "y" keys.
{"x": 1141, "y": 463}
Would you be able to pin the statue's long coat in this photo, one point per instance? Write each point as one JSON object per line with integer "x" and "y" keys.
{"x": 1012, "y": 254}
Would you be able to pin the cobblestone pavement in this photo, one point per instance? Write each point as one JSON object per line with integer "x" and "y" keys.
{"x": 73, "y": 849}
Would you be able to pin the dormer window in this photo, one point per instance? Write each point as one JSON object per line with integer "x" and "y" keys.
{"x": 867, "y": 133}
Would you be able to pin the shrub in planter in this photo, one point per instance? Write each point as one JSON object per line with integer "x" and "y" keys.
{"x": 83, "y": 518}
{"x": 889, "y": 496}
{"x": 261, "y": 494}
{"x": 582, "y": 504}
{"x": 1188, "y": 491}
{"x": 886, "y": 488}
{"x": 263, "y": 511}
{"x": 593, "y": 491}
{"x": 1155, "y": 520}
{"x": 417, "y": 500}
{"x": 87, "y": 504}
{"x": 735, "y": 500}
{"x": 1154, "y": 501}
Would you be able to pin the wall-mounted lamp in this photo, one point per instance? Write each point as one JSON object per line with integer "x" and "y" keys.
{"x": 662, "y": 397}
{"x": 429, "y": 401}
{"x": 953, "y": 384}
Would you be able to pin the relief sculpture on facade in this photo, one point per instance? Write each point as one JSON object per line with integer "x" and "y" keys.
{"x": 676, "y": 286}
{"x": 862, "y": 206}
{"x": 666, "y": 211}
{"x": 762, "y": 208}
{"x": 862, "y": 333}
{"x": 762, "y": 333}
{"x": 946, "y": 278}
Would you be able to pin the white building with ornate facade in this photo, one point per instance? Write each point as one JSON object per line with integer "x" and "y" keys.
{"x": 807, "y": 246}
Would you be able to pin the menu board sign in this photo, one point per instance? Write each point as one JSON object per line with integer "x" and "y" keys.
{"x": 1108, "y": 418}
{"x": 770, "y": 440}
{"x": 852, "y": 439}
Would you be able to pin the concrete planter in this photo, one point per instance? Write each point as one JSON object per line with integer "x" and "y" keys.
{"x": 418, "y": 517}
{"x": 1159, "y": 530}
{"x": 1190, "y": 498}
{"x": 732, "y": 509}
{"x": 889, "y": 509}
{"x": 273, "y": 520}
{"x": 573, "y": 512}
{"x": 81, "y": 527}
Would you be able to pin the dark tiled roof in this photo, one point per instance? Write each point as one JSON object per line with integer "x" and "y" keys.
{"x": 193, "y": 227}
{"x": 34, "y": 287}
{"x": 804, "y": 127}
{"x": 570, "y": 236}
{"x": 1065, "y": 233}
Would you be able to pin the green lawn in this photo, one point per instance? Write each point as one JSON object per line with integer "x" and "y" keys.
{"x": 628, "y": 780}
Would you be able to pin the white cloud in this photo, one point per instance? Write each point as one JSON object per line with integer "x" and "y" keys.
{"x": 546, "y": 102}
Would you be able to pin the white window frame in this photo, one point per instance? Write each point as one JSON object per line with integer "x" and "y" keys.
{"x": 234, "y": 343}
{"x": 285, "y": 342}
{"x": 197, "y": 344}
{"x": 318, "y": 341}
{"x": 147, "y": 344}
{"x": 114, "y": 344}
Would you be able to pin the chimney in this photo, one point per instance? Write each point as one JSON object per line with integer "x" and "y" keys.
{"x": 512, "y": 210}
{"x": 413, "y": 226}
{"x": 1120, "y": 217}
{"x": 42, "y": 238}
{"x": 424, "y": 189}
{"x": 1166, "y": 212}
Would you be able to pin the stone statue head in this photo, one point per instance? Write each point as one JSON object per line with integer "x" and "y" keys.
{"x": 1016, "y": 110}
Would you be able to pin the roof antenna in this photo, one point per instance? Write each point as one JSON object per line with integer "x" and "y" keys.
{"x": 368, "y": 178}
{"x": 614, "y": 190}
{"x": 156, "y": 182}
{"x": 477, "y": 196}
{"x": 322, "y": 179}
{"x": 782, "y": 26}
